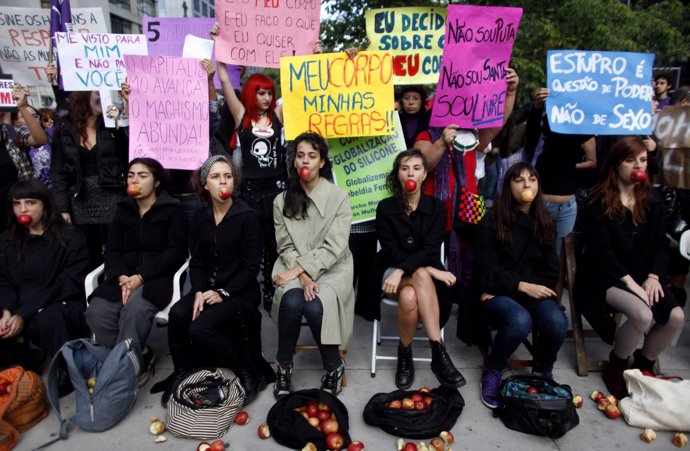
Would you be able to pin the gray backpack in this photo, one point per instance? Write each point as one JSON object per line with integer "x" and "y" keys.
{"x": 104, "y": 380}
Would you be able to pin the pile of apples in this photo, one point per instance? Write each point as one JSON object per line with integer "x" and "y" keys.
{"x": 607, "y": 404}
{"x": 320, "y": 416}
{"x": 417, "y": 401}
{"x": 439, "y": 443}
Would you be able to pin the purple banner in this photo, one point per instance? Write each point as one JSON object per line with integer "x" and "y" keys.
{"x": 472, "y": 84}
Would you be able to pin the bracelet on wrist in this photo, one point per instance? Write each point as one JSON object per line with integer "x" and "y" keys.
{"x": 224, "y": 295}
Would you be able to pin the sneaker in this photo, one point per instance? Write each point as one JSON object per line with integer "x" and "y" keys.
{"x": 283, "y": 383}
{"x": 489, "y": 386}
{"x": 331, "y": 380}
{"x": 148, "y": 358}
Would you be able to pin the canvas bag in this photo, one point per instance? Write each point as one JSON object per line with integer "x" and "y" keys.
{"x": 22, "y": 404}
{"x": 114, "y": 393}
{"x": 656, "y": 403}
{"x": 550, "y": 413}
{"x": 204, "y": 403}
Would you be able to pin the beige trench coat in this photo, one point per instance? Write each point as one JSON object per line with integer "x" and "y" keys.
{"x": 319, "y": 243}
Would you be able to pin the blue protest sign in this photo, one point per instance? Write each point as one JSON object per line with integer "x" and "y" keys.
{"x": 599, "y": 93}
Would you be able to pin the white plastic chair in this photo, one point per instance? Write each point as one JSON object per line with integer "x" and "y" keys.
{"x": 377, "y": 335}
{"x": 92, "y": 281}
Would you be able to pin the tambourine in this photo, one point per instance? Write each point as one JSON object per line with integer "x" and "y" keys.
{"x": 466, "y": 140}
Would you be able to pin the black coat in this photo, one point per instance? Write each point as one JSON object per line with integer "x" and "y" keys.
{"x": 65, "y": 165}
{"x": 49, "y": 272}
{"x": 412, "y": 241}
{"x": 614, "y": 249}
{"x": 227, "y": 255}
{"x": 154, "y": 246}
{"x": 500, "y": 267}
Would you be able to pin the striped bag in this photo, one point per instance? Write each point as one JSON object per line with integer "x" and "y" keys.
{"x": 204, "y": 403}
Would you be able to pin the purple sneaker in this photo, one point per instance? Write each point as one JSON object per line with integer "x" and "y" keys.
{"x": 489, "y": 386}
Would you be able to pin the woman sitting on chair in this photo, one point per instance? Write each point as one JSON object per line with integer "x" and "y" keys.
{"x": 410, "y": 228}
{"x": 43, "y": 261}
{"x": 147, "y": 243}
{"x": 313, "y": 273}
{"x": 626, "y": 254}
{"x": 517, "y": 271}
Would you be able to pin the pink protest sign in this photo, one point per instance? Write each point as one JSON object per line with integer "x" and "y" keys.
{"x": 259, "y": 32}
{"x": 472, "y": 84}
{"x": 166, "y": 37}
{"x": 168, "y": 110}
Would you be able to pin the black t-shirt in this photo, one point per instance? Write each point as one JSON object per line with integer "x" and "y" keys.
{"x": 263, "y": 154}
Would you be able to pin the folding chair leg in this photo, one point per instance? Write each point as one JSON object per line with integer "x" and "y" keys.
{"x": 375, "y": 340}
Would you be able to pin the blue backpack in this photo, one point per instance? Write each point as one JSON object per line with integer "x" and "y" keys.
{"x": 104, "y": 380}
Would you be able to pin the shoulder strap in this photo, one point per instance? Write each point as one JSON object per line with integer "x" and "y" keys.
{"x": 54, "y": 398}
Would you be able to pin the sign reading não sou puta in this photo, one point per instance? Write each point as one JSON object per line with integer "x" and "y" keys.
{"x": 335, "y": 95}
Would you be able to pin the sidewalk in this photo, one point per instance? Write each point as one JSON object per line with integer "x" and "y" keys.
{"x": 476, "y": 429}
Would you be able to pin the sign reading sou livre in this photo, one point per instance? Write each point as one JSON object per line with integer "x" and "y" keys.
{"x": 260, "y": 32}
{"x": 91, "y": 61}
{"x": 360, "y": 167}
{"x": 414, "y": 36}
{"x": 168, "y": 110}
{"x": 25, "y": 40}
{"x": 599, "y": 93}
{"x": 338, "y": 96}
{"x": 472, "y": 85}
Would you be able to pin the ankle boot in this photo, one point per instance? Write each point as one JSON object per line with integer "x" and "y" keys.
{"x": 613, "y": 376}
{"x": 642, "y": 363}
{"x": 404, "y": 373}
{"x": 443, "y": 367}
{"x": 244, "y": 370}
{"x": 180, "y": 356}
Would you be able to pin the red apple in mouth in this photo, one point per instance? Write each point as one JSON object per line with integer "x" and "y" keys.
{"x": 224, "y": 193}
{"x": 304, "y": 173}
{"x": 24, "y": 220}
{"x": 133, "y": 190}
{"x": 410, "y": 185}
{"x": 638, "y": 175}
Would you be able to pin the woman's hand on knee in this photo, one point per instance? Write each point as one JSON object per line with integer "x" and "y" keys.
{"x": 392, "y": 282}
{"x": 311, "y": 289}
{"x": 14, "y": 326}
{"x": 446, "y": 277}
{"x": 636, "y": 289}
{"x": 198, "y": 305}
{"x": 536, "y": 291}
{"x": 652, "y": 287}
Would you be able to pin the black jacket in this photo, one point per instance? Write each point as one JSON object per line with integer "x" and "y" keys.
{"x": 47, "y": 273}
{"x": 500, "y": 267}
{"x": 153, "y": 246}
{"x": 65, "y": 166}
{"x": 410, "y": 242}
{"x": 227, "y": 255}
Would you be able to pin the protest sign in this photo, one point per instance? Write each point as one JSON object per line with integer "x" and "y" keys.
{"x": 258, "y": 33}
{"x": 166, "y": 36}
{"x": 195, "y": 47}
{"x": 91, "y": 61}
{"x": 25, "y": 38}
{"x": 338, "y": 96}
{"x": 360, "y": 167}
{"x": 6, "y": 101}
{"x": 672, "y": 130}
{"x": 472, "y": 84}
{"x": 599, "y": 93}
{"x": 168, "y": 110}
{"x": 414, "y": 36}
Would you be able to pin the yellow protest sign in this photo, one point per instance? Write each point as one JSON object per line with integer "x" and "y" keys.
{"x": 338, "y": 96}
{"x": 414, "y": 36}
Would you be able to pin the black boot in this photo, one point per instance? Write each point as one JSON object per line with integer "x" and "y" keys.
{"x": 243, "y": 368}
{"x": 613, "y": 376}
{"x": 443, "y": 367}
{"x": 404, "y": 373}
{"x": 181, "y": 364}
{"x": 642, "y": 363}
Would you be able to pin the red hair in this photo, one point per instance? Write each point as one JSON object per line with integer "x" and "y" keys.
{"x": 79, "y": 110}
{"x": 607, "y": 188}
{"x": 253, "y": 84}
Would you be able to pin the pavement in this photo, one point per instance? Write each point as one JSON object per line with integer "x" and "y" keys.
{"x": 475, "y": 429}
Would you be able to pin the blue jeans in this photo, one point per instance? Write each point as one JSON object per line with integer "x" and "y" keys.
{"x": 513, "y": 322}
{"x": 564, "y": 216}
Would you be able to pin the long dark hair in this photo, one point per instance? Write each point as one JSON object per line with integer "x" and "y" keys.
{"x": 51, "y": 220}
{"x": 296, "y": 200}
{"x": 392, "y": 180}
{"x": 157, "y": 171}
{"x": 606, "y": 190}
{"x": 506, "y": 208}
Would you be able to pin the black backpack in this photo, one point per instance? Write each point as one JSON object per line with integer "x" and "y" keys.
{"x": 549, "y": 413}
